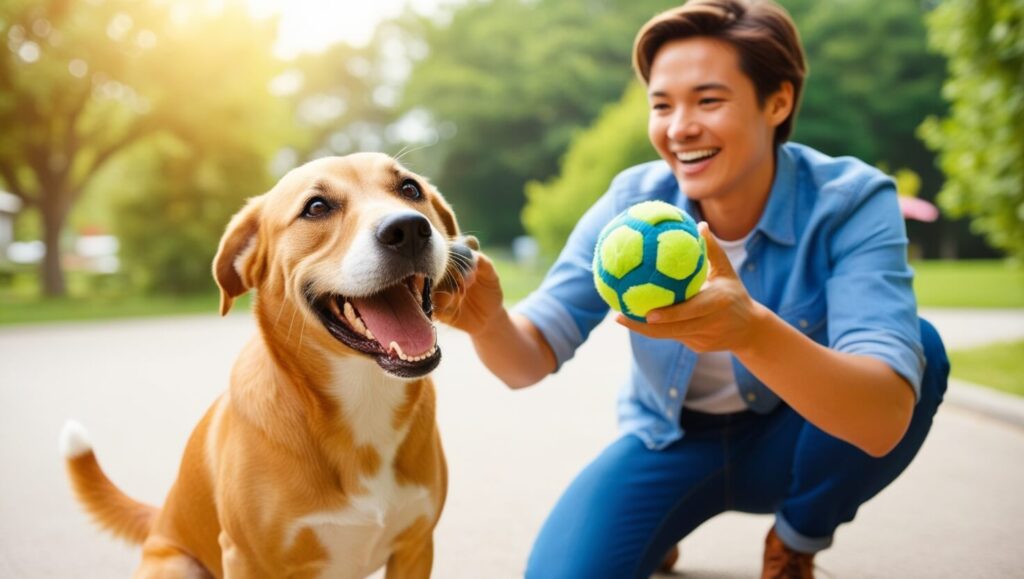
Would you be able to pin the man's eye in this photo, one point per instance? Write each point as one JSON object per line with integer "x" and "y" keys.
{"x": 710, "y": 101}
{"x": 659, "y": 107}
{"x": 316, "y": 207}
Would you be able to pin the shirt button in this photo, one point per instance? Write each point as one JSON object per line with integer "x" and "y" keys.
{"x": 668, "y": 413}
{"x": 803, "y": 324}
{"x": 751, "y": 396}
{"x": 751, "y": 267}
{"x": 672, "y": 393}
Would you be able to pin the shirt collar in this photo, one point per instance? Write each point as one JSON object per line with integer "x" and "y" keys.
{"x": 777, "y": 220}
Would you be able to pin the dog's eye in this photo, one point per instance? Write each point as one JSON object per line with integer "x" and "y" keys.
{"x": 411, "y": 190}
{"x": 316, "y": 207}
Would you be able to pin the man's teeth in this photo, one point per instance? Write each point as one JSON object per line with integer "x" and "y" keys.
{"x": 356, "y": 322}
{"x": 691, "y": 156}
{"x": 394, "y": 347}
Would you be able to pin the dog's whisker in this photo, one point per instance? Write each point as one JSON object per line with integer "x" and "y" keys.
{"x": 410, "y": 148}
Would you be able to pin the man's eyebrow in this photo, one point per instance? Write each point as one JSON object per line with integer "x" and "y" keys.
{"x": 699, "y": 88}
{"x": 711, "y": 86}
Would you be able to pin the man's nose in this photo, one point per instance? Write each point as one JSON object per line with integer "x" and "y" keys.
{"x": 683, "y": 127}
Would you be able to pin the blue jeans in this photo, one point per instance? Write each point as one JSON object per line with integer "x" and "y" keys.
{"x": 627, "y": 508}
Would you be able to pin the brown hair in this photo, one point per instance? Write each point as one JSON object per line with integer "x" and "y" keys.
{"x": 761, "y": 31}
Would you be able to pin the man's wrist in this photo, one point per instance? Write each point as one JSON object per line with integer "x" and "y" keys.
{"x": 760, "y": 325}
{"x": 493, "y": 326}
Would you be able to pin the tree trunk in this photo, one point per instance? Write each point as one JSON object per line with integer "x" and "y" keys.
{"x": 52, "y": 273}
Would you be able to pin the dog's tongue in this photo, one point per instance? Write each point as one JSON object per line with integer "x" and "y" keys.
{"x": 395, "y": 315}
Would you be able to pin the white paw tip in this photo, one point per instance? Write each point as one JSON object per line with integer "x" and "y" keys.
{"x": 74, "y": 440}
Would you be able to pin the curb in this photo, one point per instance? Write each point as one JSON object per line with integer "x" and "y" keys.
{"x": 1005, "y": 408}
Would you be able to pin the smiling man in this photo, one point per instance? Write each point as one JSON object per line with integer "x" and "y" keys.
{"x": 798, "y": 382}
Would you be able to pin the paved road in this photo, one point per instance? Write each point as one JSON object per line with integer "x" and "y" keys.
{"x": 140, "y": 386}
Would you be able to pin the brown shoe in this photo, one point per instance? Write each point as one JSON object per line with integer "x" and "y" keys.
{"x": 781, "y": 562}
{"x": 670, "y": 560}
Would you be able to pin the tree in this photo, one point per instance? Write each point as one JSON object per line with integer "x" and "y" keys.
{"x": 82, "y": 83}
{"x": 871, "y": 83}
{"x": 981, "y": 142}
{"x": 618, "y": 139}
{"x": 515, "y": 81}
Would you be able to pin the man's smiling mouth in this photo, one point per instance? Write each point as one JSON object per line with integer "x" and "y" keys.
{"x": 696, "y": 156}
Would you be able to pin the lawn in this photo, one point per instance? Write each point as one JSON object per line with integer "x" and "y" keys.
{"x": 960, "y": 284}
{"x": 1000, "y": 366}
{"x": 968, "y": 284}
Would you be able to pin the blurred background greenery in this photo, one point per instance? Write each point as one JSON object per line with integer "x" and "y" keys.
{"x": 133, "y": 129}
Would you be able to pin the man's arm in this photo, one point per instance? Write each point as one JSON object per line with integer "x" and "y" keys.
{"x": 866, "y": 403}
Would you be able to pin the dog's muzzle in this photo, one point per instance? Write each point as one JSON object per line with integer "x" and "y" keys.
{"x": 392, "y": 326}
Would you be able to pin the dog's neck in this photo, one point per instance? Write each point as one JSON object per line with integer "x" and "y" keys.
{"x": 346, "y": 398}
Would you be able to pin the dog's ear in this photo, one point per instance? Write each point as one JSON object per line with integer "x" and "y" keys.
{"x": 234, "y": 268}
{"x": 444, "y": 211}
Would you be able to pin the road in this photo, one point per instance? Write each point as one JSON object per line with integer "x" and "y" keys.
{"x": 140, "y": 386}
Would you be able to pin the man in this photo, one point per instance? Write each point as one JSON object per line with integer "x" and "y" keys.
{"x": 800, "y": 386}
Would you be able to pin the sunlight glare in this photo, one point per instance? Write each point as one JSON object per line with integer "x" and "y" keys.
{"x": 312, "y": 25}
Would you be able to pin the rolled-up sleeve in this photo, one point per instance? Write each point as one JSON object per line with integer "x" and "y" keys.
{"x": 566, "y": 306}
{"x": 871, "y": 306}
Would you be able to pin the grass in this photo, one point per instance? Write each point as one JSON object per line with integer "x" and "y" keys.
{"x": 968, "y": 284}
{"x": 956, "y": 284}
{"x": 1000, "y": 366}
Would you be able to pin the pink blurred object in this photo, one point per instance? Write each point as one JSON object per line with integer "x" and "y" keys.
{"x": 918, "y": 209}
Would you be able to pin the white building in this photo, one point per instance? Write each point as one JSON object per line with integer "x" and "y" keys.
{"x": 9, "y": 207}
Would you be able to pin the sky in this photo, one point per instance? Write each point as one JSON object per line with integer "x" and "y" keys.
{"x": 312, "y": 25}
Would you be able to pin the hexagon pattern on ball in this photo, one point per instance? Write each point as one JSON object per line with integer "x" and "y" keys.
{"x": 650, "y": 256}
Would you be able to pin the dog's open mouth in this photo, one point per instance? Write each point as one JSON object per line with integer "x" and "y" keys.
{"x": 392, "y": 326}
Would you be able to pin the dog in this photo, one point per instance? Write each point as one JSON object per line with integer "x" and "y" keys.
{"x": 323, "y": 458}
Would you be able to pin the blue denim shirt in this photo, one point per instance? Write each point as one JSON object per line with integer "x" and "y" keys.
{"x": 828, "y": 256}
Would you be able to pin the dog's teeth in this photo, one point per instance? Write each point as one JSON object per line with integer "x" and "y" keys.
{"x": 394, "y": 347}
{"x": 355, "y": 321}
{"x": 369, "y": 334}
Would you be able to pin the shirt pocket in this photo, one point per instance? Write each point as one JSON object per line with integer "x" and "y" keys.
{"x": 810, "y": 316}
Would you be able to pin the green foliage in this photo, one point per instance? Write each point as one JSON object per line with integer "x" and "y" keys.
{"x": 872, "y": 80}
{"x": 514, "y": 81}
{"x": 981, "y": 142}
{"x": 617, "y": 140}
{"x": 169, "y": 230}
{"x": 84, "y": 83}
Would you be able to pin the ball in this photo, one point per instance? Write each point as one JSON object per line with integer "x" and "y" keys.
{"x": 650, "y": 256}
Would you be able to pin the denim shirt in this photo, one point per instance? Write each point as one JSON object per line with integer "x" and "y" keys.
{"x": 828, "y": 256}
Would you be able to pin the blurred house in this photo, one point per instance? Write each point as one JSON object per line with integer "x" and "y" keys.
{"x": 9, "y": 207}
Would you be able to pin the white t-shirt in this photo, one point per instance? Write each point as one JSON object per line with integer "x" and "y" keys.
{"x": 713, "y": 387}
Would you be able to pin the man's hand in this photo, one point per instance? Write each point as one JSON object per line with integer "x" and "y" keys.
{"x": 722, "y": 316}
{"x": 471, "y": 301}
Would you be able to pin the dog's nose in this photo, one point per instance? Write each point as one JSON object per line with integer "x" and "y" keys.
{"x": 407, "y": 233}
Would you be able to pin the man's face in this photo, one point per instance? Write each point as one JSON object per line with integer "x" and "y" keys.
{"x": 706, "y": 123}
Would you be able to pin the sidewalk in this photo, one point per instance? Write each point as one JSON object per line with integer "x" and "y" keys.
{"x": 140, "y": 387}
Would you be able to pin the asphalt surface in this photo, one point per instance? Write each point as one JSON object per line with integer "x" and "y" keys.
{"x": 140, "y": 387}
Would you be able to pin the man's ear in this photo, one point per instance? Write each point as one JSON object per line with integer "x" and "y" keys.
{"x": 780, "y": 104}
{"x": 236, "y": 266}
{"x": 444, "y": 211}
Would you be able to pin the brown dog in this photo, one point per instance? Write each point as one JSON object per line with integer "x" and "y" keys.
{"x": 323, "y": 457}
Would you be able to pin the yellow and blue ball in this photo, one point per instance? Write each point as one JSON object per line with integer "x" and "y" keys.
{"x": 650, "y": 256}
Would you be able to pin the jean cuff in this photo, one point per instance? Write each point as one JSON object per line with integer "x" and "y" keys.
{"x": 797, "y": 541}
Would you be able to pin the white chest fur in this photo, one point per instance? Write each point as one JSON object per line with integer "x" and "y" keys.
{"x": 359, "y": 536}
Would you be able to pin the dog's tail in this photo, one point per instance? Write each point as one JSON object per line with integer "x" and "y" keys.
{"x": 113, "y": 510}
